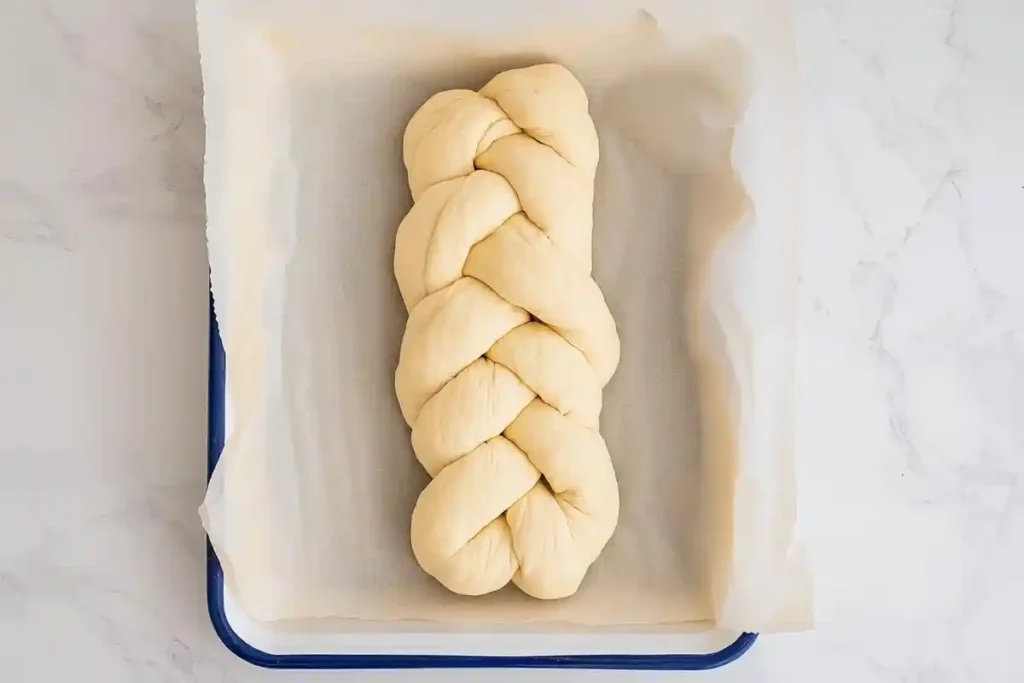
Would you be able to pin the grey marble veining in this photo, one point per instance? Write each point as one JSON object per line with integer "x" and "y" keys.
{"x": 911, "y": 367}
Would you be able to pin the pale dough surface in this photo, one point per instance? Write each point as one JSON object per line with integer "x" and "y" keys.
{"x": 509, "y": 341}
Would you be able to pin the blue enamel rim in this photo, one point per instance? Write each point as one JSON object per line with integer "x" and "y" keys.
{"x": 215, "y": 602}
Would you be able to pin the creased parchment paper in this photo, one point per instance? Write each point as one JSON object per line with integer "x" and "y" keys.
{"x": 695, "y": 239}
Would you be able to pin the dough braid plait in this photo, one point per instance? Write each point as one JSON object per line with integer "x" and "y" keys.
{"x": 509, "y": 340}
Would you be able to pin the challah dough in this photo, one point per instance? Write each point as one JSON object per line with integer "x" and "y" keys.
{"x": 509, "y": 340}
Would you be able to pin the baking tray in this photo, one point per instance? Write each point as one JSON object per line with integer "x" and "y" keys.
{"x": 422, "y": 648}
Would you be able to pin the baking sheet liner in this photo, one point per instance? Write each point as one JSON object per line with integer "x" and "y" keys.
{"x": 696, "y": 230}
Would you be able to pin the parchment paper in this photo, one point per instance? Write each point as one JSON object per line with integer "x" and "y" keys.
{"x": 695, "y": 237}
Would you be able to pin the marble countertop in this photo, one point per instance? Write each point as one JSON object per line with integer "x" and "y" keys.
{"x": 911, "y": 375}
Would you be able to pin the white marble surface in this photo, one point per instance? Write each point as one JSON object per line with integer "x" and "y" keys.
{"x": 912, "y": 365}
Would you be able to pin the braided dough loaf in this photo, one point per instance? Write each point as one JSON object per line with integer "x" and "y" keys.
{"x": 509, "y": 340}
